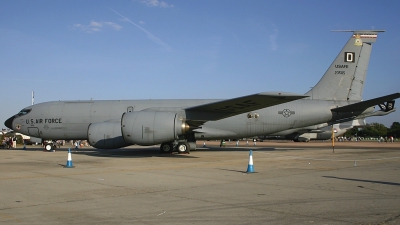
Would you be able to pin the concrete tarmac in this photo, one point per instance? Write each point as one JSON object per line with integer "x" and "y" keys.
{"x": 293, "y": 183}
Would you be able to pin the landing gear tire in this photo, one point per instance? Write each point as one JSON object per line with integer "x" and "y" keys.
{"x": 49, "y": 147}
{"x": 183, "y": 147}
{"x": 166, "y": 148}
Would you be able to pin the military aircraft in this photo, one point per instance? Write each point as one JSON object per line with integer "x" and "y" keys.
{"x": 338, "y": 129}
{"x": 177, "y": 124}
{"x": 316, "y": 132}
{"x": 324, "y": 131}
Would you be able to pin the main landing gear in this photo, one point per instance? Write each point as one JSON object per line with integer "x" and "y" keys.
{"x": 180, "y": 147}
{"x": 166, "y": 147}
{"x": 183, "y": 147}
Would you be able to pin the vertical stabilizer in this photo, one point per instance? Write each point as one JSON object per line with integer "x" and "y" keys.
{"x": 344, "y": 79}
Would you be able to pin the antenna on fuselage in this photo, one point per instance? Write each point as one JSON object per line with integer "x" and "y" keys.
{"x": 33, "y": 97}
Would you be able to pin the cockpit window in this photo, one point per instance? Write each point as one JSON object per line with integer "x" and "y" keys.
{"x": 23, "y": 112}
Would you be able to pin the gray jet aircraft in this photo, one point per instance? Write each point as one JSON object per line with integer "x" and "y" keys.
{"x": 323, "y": 131}
{"x": 317, "y": 132}
{"x": 177, "y": 124}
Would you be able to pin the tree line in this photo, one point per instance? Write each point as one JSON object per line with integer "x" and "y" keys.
{"x": 375, "y": 130}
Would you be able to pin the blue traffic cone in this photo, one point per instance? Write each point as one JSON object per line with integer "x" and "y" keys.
{"x": 250, "y": 167}
{"x": 69, "y": 161}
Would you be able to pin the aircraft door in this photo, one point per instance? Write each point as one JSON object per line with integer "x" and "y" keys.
{"x": 251, "y": 124}
{"x": 33, "y": 131}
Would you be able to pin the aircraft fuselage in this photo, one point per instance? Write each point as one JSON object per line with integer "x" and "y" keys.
{"x": 71, "y": 119}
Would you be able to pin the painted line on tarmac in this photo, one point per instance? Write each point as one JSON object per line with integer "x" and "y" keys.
{"x": 322, "y": 159}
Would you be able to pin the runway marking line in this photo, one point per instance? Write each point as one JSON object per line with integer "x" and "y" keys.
{"x": 322, "y": 159}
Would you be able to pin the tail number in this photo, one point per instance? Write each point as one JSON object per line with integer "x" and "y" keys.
{"x": 349, "y": 57}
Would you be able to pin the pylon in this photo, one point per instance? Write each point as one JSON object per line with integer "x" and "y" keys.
{"x": 250, "y": 167}
{"x": 69, "y": 161}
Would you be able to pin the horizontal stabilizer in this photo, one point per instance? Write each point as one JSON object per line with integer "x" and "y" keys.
{"x": 231, "y": 107}
{"x": 360, "y": 106}
{"x": 389, "y": 106}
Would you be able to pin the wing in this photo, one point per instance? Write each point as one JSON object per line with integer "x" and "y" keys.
{"x": 231, "y": 107}
{"x": 361, "y": 106}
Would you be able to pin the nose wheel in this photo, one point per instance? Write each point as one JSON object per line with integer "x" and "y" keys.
{"x": 49, "y": 147}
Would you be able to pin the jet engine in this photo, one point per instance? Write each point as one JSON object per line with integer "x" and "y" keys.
{"x": 324, "y": 136}
{"x": 106, "y": 135}
{"x": 152, "y": 127}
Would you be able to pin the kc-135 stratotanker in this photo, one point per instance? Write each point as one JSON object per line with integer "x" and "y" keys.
{"x": 177, "y": 124}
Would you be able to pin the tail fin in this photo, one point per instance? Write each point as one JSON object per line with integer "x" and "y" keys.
{"x": 344, "y": 79}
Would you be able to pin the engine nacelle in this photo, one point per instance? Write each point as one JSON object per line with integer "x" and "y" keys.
{"x": 106, "y": 135}
{"x": 152, "y": 127}
{"x": 301, "y": 139}
{"x": 324, "y": 136}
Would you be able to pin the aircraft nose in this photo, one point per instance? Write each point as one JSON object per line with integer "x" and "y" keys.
{"x": 9, "y": 122}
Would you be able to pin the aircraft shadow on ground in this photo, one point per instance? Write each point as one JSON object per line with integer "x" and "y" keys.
{"x": 246, "y": 148}
{"x": 154, "y": 151}
{"x": 360, "y": 180}
{"x": 121, "y": 153}
{"x": 232, "y": 149}
{"x": 131, "y": 153}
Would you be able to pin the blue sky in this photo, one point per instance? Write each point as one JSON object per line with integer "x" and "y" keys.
{"x": 174, "y": 49}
